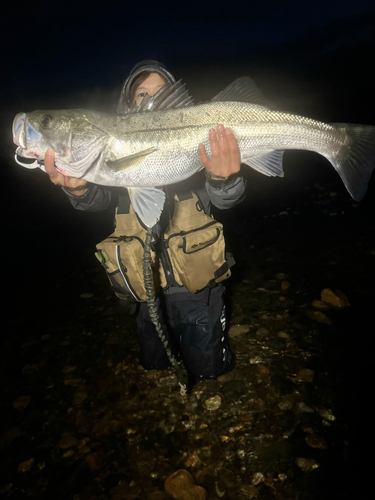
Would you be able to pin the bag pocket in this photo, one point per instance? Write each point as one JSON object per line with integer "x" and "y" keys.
{"x": 122, "y": 258}
{"x": 198, "y": 256}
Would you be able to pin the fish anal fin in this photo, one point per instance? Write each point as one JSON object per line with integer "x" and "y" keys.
{"x": 270, "y": 164}
{"x": 131, "y": 160}
{"x": 148, "y": 203}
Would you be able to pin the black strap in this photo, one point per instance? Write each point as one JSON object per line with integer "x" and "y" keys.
{"x": 224, "y": 268}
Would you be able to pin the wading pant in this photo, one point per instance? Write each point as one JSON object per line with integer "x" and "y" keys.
{"x": 195, "y": 325}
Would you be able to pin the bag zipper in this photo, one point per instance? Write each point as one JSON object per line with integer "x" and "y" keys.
{"x": 119, "y": 263}
{"x": 191, "y": 231}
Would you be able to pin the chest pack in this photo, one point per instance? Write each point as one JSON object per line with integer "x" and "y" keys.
{"x": 190, "y": 252}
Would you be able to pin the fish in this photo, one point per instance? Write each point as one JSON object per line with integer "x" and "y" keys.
{"x": 145, "y": 151}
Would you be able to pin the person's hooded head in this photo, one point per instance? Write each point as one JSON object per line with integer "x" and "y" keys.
{"x": 145, "y": 79}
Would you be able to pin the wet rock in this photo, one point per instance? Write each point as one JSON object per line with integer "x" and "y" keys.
{"x": 21, "y": 403}
{"x": 305, "y": 375}
{"x": 335, "y": 298}
{"x": 283, "y": 335}
{"x": 262, "y": 333}
{"x": 213, "y": 403}
{"x": 69, "y": 453}
{"x": 281, "y": 276}
{"x": 94, "y": 460}
{"x": 193, "y": 460}
{"x": 67, "y": 442}
{"x": 319, "y": 317}
{"x": 237, "y": 330}
{"x": 168, "y": 381}
{"x": 286, "y": 404}
{"x": 80, "y": 397}
{"x": 320, "y": 305}
{"x": 327, "y": 415}
{"x": 234, "y": 390}
{"x": 307, "y": 464}
{"x": 68, "y": 369}
{"x": 181, "y": 486}
{"x": 264, "y": 370}
{"x": 316, "y": 442}
{"x": 285, "y": 285}
{"x": 26, "y": 466}
{"x": 303, "y": 407}
{"x": 249, "y": 490}
{"x": 86, "y": 295}
{"x": 9, "y": 436}
{"x": 28, "y": 369}
{"x": 227, "y": 377}
{"x": 125, "y": 491}
{"x": 257, "y": 478}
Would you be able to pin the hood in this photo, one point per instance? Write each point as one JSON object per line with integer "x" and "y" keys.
{"x": 147, "y": 65}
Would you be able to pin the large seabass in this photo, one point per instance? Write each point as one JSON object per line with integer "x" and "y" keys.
{"x": 141, "y": 151}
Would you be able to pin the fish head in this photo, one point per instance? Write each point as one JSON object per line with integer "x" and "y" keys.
{"x": 77, "y": 143}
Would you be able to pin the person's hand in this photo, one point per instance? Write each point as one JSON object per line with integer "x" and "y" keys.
{"x": 225, "y": 154}
{"x": 76, "y": 187}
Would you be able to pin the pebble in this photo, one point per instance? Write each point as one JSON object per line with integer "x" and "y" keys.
{"x": 285, "y": 285}
{"x": 86, "y": 295}
{"x": 305, "y": 408}
{"x": 319, "y": 304}
{"x": 319, "y": 317}
{"x": 26, "y": 466}
{"x": 305, "y": 375}
{"x": 334, "y": 298}
{"x": 181, "y": 486}
{"x": 237, "y": 330}
{"x": 307, "y": 464}
{"x": 21, "y": 403}
{"x": 227, "y": 377}
{"x": 79, "y": 397}
{"x": 316, "y": 442}
{"x": 262, "y": 333}
{"x": 257, "y": 478}
{"x": 281, "y": 276}
{"x": 327, "y": 415}
{"x": 213, "y": 403}
{"x": 193, "y": 460}
{"x": 67, "y": 442}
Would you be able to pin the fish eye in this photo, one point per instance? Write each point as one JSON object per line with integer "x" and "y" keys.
{"x": 46, "y": 121}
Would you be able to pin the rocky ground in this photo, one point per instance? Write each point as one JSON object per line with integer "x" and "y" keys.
{"x": 82, "y": 420}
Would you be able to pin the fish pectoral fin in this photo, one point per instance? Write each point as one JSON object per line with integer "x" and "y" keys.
{"x": 244, "y": 89}
{"x": 270, "y": 164}
{"x": 130, "y": 160}
{"x": 148, "y": 204}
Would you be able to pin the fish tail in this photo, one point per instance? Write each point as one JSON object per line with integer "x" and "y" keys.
{"x": 356, "y": 161}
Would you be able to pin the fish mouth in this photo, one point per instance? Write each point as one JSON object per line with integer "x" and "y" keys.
{"x": 26, "y": 138}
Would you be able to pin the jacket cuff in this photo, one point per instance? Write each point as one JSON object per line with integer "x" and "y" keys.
{"x": 217, "y": 183}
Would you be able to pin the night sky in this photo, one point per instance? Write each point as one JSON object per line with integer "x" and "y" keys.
{"x": 55, "y": 47}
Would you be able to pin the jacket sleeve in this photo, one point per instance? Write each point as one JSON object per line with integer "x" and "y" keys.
{"x": 224, "y": 194}
{"x": 95, "y": 199}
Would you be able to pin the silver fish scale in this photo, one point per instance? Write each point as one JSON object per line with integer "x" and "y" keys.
{"x": 176, "y": 135}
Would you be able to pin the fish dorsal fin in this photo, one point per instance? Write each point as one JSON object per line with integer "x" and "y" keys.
{"x": 270, "y": 164}
{"x": 148, "y": 203}
{"x": 130, "y": 160}
{"x": 244, "y": 89}
{"x": 168, "y": 97}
